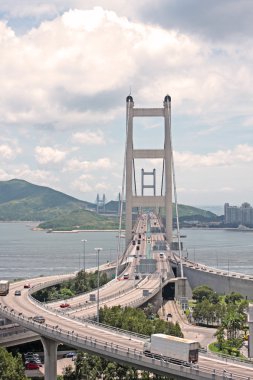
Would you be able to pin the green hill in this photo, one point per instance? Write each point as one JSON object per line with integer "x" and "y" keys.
{"x": 21, "y": 200}
{"x": 81, "y": 220}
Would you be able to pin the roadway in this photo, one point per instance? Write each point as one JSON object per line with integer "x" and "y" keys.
{"x": 116, "y": 345}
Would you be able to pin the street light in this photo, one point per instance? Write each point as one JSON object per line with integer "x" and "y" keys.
{"x": 84, "y": 241}
{"x": 98, "y": 250}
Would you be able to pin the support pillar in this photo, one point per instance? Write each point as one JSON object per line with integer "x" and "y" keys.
{"x": 129, "y": 168}
{"x": 250, "y": 322}
{"x": 50, "y": 358}
{"x": 168, "y": 167}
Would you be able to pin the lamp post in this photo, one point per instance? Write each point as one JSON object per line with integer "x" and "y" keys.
{"x": 98, "y": 250}
{"x": 84, "y": 241}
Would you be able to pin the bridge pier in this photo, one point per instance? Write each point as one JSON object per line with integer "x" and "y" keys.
{"x": 50, "y": 358}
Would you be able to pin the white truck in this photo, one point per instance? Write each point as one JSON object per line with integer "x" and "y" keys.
{"x": 177, "y": 350}
{"x": 4, "y": 287}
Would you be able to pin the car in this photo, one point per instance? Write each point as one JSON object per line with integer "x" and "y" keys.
{"x": 169, "y": 315}
{"x": 64, "y": 304}
{"x": 70, "y": 355}
{"x": 33, "y": 361}
{"x": 32, "y": 366}
{"x": 27, "y": 285}
{"x": 29, "y": 356}
{"x": 17, "y": 293}
{"x": 39, "y": 319}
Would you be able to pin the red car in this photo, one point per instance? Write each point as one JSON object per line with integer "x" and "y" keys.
{"x": 32, "y": 366}
{"x": 63, "y": 305}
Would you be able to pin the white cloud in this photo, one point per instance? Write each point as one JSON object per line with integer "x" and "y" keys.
{"x": 41, "y": 70}
{"x": 82, "y": 186}
{"x": 242, "y": 153}
{"x": 102, "y": 186}
{"x": 101, "y": 163}
{"x": 7, "y": 152}
{"x": 71, "y": 74}
{"x": 46, "y": 154}
{"x": 89, "y": 138}
{"x": 4, "y": 176}
{"x": 39, "y": 177}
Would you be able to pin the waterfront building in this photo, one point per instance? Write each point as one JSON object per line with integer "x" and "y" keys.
{"x": 238, "y": 215}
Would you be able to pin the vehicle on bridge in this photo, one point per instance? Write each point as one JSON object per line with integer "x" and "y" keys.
{"x": 39, "y": 319}
{"x": 172, "y": 348}
{"x": 4, "y": 287}
{"x": 64, "y": 304}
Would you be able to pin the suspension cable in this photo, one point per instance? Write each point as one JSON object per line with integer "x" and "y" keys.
{"x": 176, "y": 204}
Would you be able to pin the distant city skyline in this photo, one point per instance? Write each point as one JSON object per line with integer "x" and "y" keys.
{"x": 67, "y": 67}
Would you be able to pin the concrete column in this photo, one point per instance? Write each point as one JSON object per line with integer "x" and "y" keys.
{"x": 129, "y": 168}
{"x": 50, "y": 358}
{"x": 250, "y": 340}
{"x": 168, "y": 167}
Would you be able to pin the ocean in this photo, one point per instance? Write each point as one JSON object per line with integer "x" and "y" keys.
{"x": 25, "y": 253}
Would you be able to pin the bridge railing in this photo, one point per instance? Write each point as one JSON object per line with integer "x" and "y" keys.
{"x": 227, "y": 358}
{"x": 88, "y": 304}
{"x": 119, "y": 352}
{"x": 208, "y": 269}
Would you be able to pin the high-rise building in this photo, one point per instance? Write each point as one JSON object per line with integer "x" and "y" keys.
{"x": 238, "y": 215}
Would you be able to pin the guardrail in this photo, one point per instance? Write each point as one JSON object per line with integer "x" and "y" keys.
{"x": 121, "y": 353}
{"x": 226, "y": 358}
{"x": 192, "y": 265}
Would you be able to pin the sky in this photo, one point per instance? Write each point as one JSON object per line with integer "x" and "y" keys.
{"x": 66, "y": 68}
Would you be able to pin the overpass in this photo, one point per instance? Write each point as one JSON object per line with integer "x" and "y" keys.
{"x": 74, "y": 328}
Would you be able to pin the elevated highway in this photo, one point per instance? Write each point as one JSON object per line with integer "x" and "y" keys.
{"x": 221, "y": 281}
{"x": 73, "y": 327}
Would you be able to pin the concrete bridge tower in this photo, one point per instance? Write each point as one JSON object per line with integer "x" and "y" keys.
{"x": 154, "y": 201}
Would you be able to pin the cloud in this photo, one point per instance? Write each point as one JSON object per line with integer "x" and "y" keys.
{"x": 215, "y": 20}
{"x": 40, "y": 177}
{"x": 46, "y": 154}
{"x": 76, "y": 165}
{"x": 89, "y": 138}
{"x": 82, "y": 186}
{"x": 67, "y": 70}
{"x": 6, "y": 152}
{"x": 240, "y": 154}
{"x": 102, "y": 186}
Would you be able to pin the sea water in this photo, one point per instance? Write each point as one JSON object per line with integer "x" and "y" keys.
{"x": 25, "y": 253}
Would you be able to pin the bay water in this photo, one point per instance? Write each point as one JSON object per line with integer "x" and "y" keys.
{"x": 25, "y": 253}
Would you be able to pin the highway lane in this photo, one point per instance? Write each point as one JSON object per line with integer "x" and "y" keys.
{"x": 87, "y": 330}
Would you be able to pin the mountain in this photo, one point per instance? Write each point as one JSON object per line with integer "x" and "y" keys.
{"x": 21, "y": 200}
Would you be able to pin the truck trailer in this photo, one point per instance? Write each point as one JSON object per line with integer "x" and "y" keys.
{"x": 4, "y": 287}
{"x": 170, "y": 347}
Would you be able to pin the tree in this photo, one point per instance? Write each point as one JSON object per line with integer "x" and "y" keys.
{"x": 11, "y": 368}
{"x": 110, "y": 371}
{"x": 204, "y": 292}
{"x": 233, "y": 297}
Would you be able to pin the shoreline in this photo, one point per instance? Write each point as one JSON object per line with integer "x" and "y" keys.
{"x": 71, "y": 231}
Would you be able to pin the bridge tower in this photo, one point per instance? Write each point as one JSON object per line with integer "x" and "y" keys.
{"x": 154, "y": 201}
{"x": 100, "y": 203}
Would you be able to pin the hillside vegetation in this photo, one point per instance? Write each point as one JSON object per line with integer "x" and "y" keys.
{"x": 81, "y": 220}
{"x": 21, "y": 200}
